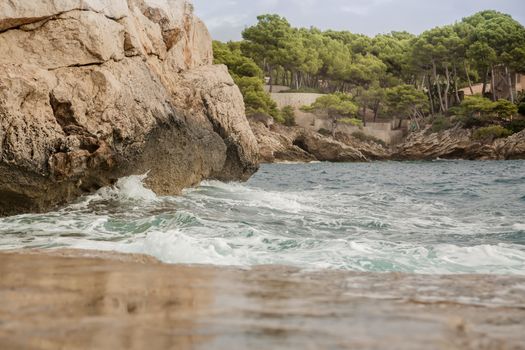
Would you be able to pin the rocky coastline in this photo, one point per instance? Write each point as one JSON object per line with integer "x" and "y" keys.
{"x": 280, "y": 143}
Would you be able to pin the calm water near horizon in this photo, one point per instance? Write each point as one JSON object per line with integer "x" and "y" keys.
{"x": 443, "y": 217}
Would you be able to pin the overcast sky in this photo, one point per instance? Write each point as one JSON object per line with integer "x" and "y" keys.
{"x": 227, "y": 18}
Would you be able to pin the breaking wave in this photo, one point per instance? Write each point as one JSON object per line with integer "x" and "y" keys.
{"x": 430, "y": 218}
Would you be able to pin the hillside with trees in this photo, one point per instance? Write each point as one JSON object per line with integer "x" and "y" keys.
{"x": 392, "y": 75}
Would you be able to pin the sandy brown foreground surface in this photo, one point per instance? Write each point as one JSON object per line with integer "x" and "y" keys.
{"x": 92, "y": 300}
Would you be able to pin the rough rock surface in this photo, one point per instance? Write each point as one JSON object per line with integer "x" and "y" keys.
{"x": 458, "y": 144}
{"x": 92, "y": 300}
{"x": 93, "y": 90}
{"x": 295, "y": 144}
{"x": 278, "y": 146}
{"x": 279, "y": 143}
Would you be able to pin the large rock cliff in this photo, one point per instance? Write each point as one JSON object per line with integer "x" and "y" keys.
{"x": 93, "y": 90}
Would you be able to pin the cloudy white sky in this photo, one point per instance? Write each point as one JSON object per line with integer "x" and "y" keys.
{"x": 227, "y": 18}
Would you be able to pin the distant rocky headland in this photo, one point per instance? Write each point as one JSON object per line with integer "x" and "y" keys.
{"x": 279, "y": 143}
{"x": 310, "y": 140}
{"x": 455, "y": 91}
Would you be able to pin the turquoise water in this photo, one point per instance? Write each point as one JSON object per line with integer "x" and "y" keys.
{"x": 442, "y": 217}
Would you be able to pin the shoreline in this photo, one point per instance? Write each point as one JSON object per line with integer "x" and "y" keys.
{"x": 279, "y": 144}
{"x": 80, "y": 299}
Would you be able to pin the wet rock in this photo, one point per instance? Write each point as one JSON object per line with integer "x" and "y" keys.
{"x": 85, "y": 299}
{"x": 91, "y": 91}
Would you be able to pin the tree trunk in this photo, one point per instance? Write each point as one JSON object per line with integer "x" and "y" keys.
{"x": 493, "y": 82}
{"x": 447, "y": 88}
{"x": 458, "y": 99}
{"x": 436, "y": 80}
{"x": 376, "y": 110}
{"x": 334, "y": 126}
{"x": 509, "y": 79}
{"x": 422, "y": 85}
{"x": 414, "y": 119}
{"x": 468, "y": 78}
{"x": 432, "y": 108}
{"x": 485, "y": 80}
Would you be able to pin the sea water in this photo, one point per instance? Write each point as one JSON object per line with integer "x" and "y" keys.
{"x": 442, "y": 217}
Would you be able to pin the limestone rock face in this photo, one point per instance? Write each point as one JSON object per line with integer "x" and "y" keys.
{"x": 94, "y": 90}
{"x": 327, "y": 149}
{"x": 279, "y": 143}
{"x": 14, "y": 13}
{"x": 276, "y": 144}
{"x": 458, "y": 144}
{"x": 512, "y": 147}
{"x": 453, "y": 143}
{"x": 370, "y": 149}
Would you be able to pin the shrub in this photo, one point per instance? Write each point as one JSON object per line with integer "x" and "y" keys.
{"x": 288, "y": 115}
{"x": 351, "y": 121}
{"x": 470, "y": 122}
{"x": 480, "y": 111}
{"x": 516, "y": 125}
{"x": 490, "y": 133}
{"x": 256, "y": 99}
{"x": 335, "y": 106}
{"x": 440, "y": 123}
{"x": 521, "y": 108}
{"x": 361, "y": 136}
{"x": 504, "y": 109}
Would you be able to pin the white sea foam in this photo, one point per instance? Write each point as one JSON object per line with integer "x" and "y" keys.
{"x": 245, "y": 195}
{"x": 484, "y": 256}
{"x": 129, "y": 188}
{"x": 329, "y": 216}
{"x": 519, "y": 227}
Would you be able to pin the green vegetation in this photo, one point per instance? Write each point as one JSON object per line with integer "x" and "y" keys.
{"x": 441, "y": 123}
{"x": 477, "y": 111}
{"x": 248, "y": 76}
{"x": 390, "y": 75}
{"x": 516, "y": 125}
{"x": 404, "y": 100}
{"x": 337, "y": 107}
{"x": 368, "y": 138}
{"x": 489, "y": 133}
{"x": 303, "y": 90}
{"x": 288, "y": 115}
{"x": 521, "y": 108}
{"x": 351, "y": 121}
